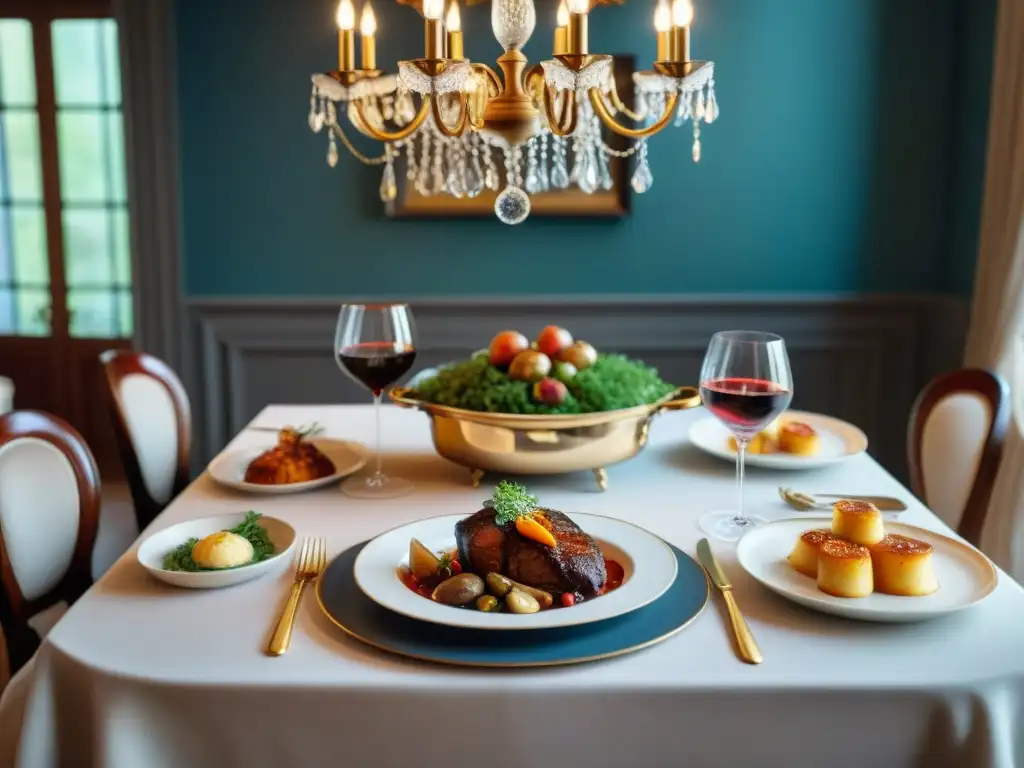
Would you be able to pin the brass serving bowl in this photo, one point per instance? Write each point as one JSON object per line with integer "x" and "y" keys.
{"x": 517, "y": 444}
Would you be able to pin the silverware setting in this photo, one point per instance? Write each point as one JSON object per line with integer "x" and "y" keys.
{"x": 806, "y": 501}
{"x": 745, "y": 644}
{"x": 310, "y": 563}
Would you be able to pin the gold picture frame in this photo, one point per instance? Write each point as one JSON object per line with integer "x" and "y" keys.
{"x": 613, "y": 203}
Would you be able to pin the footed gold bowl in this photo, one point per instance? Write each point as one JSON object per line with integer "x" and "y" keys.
{"x": 515, "y": 444}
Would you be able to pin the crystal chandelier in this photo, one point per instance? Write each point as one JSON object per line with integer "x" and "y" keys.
{"x": 528, "y": 131}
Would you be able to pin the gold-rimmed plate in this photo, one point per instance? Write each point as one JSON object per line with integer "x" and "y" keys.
{"x": 648, "y": 563}
{"x": 360, "y": 618}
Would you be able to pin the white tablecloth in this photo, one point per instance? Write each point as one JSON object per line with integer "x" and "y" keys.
{"x": 139, "y": 674}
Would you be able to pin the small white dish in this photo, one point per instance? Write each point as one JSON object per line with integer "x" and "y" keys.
{"x": 965, "y": 576}
{"x": 152, "y": 551}
{"x": 228, "y": 469}
{"x": 649, "y": 565}
{"x": 838, "y": 441}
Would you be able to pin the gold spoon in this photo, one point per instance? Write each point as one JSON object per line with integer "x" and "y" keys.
{"x": 805, "y": 502}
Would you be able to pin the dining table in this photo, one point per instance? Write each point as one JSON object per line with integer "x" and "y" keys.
{"x": 141, "y": 674}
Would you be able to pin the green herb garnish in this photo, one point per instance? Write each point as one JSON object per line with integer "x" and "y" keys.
{"x": 611, "y": 383}
{"x": 180, "y": 558}
{"x": 511, "y": 501}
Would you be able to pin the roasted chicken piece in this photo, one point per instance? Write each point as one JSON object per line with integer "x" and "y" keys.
{"x": 292, "y": 460}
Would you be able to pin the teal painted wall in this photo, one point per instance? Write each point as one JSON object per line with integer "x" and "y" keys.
{"x": 835, "y": 165}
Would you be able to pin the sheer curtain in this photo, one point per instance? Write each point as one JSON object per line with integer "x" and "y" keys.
{"x": 996, "y": 338}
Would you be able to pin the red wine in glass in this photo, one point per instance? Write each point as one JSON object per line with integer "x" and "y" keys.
{"x": 745, "y": 406}
{"x": 377, "y": 364}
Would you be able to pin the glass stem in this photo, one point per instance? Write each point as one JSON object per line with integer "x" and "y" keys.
{"x": 379, "y": 472}
{"x": 741, "y": 454}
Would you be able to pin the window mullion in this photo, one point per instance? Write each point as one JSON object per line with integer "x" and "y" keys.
{"x": 46, "y": 98}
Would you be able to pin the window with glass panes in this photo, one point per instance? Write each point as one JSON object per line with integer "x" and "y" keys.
{"x": 85, "y": 106}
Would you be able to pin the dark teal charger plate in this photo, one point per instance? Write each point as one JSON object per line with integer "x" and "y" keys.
{"x": 359, "y": 617}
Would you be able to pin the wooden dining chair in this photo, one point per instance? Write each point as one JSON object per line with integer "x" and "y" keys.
{"x": 49, "y": 513}
{"x": 955, "y": 445}
{"x": 153, "y": 427}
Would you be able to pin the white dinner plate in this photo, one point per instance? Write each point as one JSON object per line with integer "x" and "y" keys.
{"x": 152, "y": 551}
{"x": 965, "y": 576}
{"x": 229, "y": 468}
{"x": 838, "y": 441}
{"x": 648, "y": 562}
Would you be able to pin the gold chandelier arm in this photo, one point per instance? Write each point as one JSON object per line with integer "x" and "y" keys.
{"x": 530, "y": 80}
{"x": 602, "y": 111}
{"x": 460, "y": 126}
{"x": 404, "y": 133}
{"x": 565, "y": 124}
{"x": 617, "y": 103}
{"x": 490, "y": 75}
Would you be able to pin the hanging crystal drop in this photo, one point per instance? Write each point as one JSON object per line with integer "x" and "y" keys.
{"x": 641, "y": 103}
{"x": 588, "y": 176}
{"x": 607, "y": 182}
{"x": 542, "y": 165}
{"x": 512, "y": 206}
{"x": 474, "y": 174}
{"x": 643, "y": 179}
{"x": 387, "y": 108}
{"x": 316, "y": 114}
{"x": 698, "y": 106}
{"x": 410, "y": 159}
{"x": 456, "y": 173}
{"x": 711, "y": 108}
{"x": 533, "y": 183}
{"x": 388, "y": 186}
{"x": 685, "y": 111}
{"x": 696, "y": 141}
{"x": 332, "y": 150}
{"x": 559, "y": 170}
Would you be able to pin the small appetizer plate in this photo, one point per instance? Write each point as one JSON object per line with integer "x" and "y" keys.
{"x": 152, "y": 551}
{"x": 965, "y": 576}
{"x": 837, "y": 441}
{"x": 228, "y": 469}
{"x": 648, "y": 563}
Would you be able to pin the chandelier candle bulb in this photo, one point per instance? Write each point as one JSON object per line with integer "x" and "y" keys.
{"x": 682, "y": 17}
{"x": 368, "y": 31}
{"x": 453, "y": 23}
{"x": 346, "y": 19}
{"x": 434, "y": 37}
{"x": 562, "y": 30}
{"x": 578, "y": 32}
{"x": 663, "y": 26}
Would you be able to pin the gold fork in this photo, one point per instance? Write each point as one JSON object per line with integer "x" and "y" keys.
{"x": 311, "y": 562}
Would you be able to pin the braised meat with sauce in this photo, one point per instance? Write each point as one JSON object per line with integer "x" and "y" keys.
{"x": 292, "y": 460}
{"x": 575, "y": 564}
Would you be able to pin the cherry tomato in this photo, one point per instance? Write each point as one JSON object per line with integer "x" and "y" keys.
{"x": 456, "y": 567}
{"x": 568, "y": 599}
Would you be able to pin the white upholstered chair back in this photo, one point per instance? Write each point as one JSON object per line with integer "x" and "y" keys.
{"x": 955, "y": 445}
{"x": 152, "y": 420}
{"x": 49, "y": 511}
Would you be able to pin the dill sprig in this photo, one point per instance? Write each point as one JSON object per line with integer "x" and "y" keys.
{"x": 511, "y": 501}
{"x": 180, "y": 558}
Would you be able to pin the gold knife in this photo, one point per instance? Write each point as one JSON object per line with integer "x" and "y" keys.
{"x": 745, "y": 642}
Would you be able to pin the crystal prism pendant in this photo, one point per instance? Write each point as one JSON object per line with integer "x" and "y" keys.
{"x": 453, "y": 184}
{"x": 316, "y": 116}
{"x": 606, "y": 177}
{"x": 332, "y": 151}
{"x": 586, "y": 176}
{"x": 512, "y": 206}
{"x": 711, "y": 108}
{"x": 474, "y": 184}
{"x": 698, "y": 107}
{"x": 388, "y": 187}
{"x": 643, "y": 179}
{"x": 696, "y": 150}
{"x": 533, "y": 182}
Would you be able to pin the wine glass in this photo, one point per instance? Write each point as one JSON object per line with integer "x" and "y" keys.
{"x": 746, "y": 383}
{"x": 375, "y": 344}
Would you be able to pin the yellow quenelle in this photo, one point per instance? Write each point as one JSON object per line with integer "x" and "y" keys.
{"x": 222, "y": 550}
